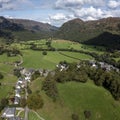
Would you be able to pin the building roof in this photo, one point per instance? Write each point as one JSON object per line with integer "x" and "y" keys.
{"x": 17, "y": 100}
{"x": 15, "y": 118}
{"x": 8, "y": 112}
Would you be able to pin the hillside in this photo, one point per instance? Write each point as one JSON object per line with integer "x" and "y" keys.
{"x": 34, "y": 25}
{"x": 81, "y": 31}
{"x": 103, "y": 32}
{"x": 18, "y": 29}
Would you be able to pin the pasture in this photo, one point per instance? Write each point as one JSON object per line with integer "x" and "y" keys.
{"x": 35, "y": 59}
{"x": 75, "y": 98}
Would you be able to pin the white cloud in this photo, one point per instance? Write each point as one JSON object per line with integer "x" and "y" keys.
{"x": 113, "y": 4}
{"x": 58, "y": 17}
{"x": 14, "y": 4}
{"x": 4, "y": 1}
{"x": 89, "y": 12}
{"x": 45, "y": 22}
{"x": 63, "y": 4}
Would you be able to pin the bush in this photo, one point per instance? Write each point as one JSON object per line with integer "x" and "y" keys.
{"x": 75, "y": 116}
{"x": 87, "y": 114}
{"x": 44, "y": 52}
{"x": 1, "y": 76}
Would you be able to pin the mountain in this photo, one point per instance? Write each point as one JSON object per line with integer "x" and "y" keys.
{"x": 21, "y": 29}
{"x": 89, "y": 31}
{"x": 34, "y": 25}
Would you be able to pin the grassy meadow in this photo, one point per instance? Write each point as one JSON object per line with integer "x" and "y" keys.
{"x": 77, "y": 97}
{"x": 35, "y": 59}
{"x": 77, "y": 46}
{"x": 6, "y": 68}
{"x": 74, "y": 97}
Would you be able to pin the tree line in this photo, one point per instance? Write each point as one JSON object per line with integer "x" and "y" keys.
{"x": 107, "y": 79}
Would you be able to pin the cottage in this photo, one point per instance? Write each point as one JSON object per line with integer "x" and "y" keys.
{"x": 17, "y": 95}
{"x": 8, "y": 112}
{"x": 20, "y": 81}
{"x": 62, "y": 66}
{"x": 27, "y": 78}
{"x": 17, "y": 100}
{"x": 15, "y": 118}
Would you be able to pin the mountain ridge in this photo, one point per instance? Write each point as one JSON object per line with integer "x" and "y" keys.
{"x": 87, "y": 32}
{"x": 82, "y": 31}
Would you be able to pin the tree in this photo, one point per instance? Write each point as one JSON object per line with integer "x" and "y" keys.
{"x": 35, "y": 75}
{"x": 87, "y": 114}
{"x": 23, "y": 102}
{"x": 1, "y": 76}
{"x": 17, "y": 72}
{"x": 75, "y": 116}
{"x": 35, "y": 101}
{"x": 50, "y": 88}
{"x": 4, "y": 102}
{"x": 44, "y": 52}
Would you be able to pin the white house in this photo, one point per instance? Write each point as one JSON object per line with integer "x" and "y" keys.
{"x": 27, "y": 78}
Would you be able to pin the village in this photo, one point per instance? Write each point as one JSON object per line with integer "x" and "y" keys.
{"x": 9, "y": 113}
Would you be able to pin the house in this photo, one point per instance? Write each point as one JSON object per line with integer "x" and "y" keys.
{"x": 8, "y": 112}
{"x": 17, "y": 95}
{"x": 41, "y": 71}
{"x": 15, "y": 118}
{"x": 17, "y": 100}
{"x": 18, "y": 87}
{"x": 93, "y": 64}
{"x": 27, "y": 78}
{"x": 20, "y": 80}
{"x": 78, "y": 66}
{"x": 62, "y": 66}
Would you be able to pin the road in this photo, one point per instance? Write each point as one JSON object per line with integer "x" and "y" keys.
{"x": 26, "y": 113}
{"x": 26, "y": 108}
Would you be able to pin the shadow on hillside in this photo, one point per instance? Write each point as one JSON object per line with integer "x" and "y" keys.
{"x": 106, "y": 39}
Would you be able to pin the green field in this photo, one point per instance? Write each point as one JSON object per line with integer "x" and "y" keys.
{"x": 60, "y": 44}
{"x": 4, "y": 58}
{"x": 77, "y": 46}
{"x": 32, "y": 116}
{"x": 6, "y": 68}
{"x": 35, "y": 59}
{"x": 76, "y": 98}
{"x": 80, "y": 97}
{"x": 7, "y": 71}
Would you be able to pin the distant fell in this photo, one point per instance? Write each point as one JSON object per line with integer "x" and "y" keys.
{"x": 82, "y": 31}
{"x": 22, "y": 30}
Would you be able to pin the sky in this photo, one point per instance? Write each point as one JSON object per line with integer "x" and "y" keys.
{"x": 56, "y": 12}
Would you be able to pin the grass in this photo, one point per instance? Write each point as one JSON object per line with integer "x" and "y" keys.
{"x": 50, "y": 110}
{"x": 33, "y": 116}
{"x": 76, "y": 98}
{"x": 35, "y": 59}
{"x": 60, "y": 44}
{"x": 80, "y": 56}
{"x": 5, "y": 91}
{"x": 80, "y": 97}
{"x": 116, "y": 59}
{"x": 69, "y": 44}
{"x": 5, "y": 58}
{"x": 7, "y": 71}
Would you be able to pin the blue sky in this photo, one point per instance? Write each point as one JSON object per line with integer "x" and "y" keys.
{"x": 56, "y": 12}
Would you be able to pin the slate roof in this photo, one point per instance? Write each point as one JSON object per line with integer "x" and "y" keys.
{"x": 8, "y": 112}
